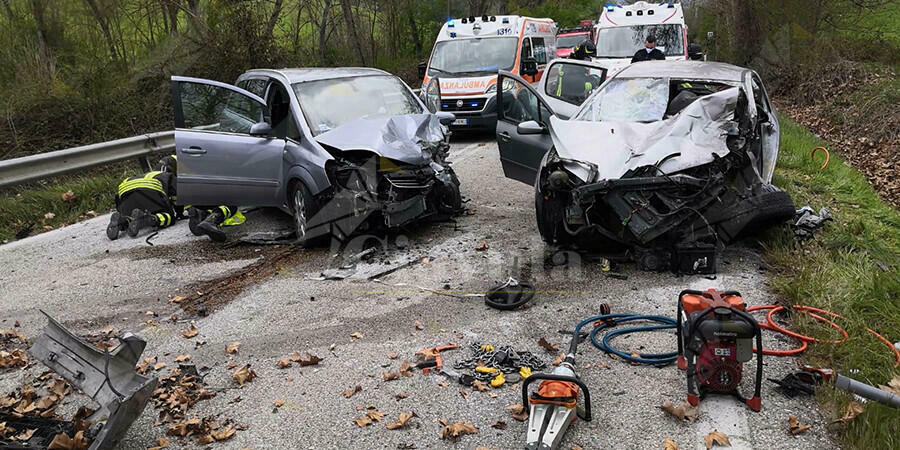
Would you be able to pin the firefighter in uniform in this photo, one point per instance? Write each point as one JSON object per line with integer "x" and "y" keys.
{"x": 145, "y": 201}
{"x": 206, "y": 220}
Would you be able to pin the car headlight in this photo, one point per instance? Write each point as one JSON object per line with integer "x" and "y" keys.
{"x": 508, "y": 83}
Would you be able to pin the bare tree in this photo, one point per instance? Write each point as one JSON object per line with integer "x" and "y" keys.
{"x": 103, "y": 21}
{"x": 354, "y": 32}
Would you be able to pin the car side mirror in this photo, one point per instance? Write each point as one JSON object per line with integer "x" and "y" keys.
{"x": 529, "y": 67}
{"x": 530, "y": 127}
{"x": 262, "y": 129}
{"x": 445, "y": 117}
{"x": 423, "y": 66}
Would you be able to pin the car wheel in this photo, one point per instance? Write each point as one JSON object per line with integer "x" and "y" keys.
{"x": 303, "y": 209}
{"x": 551, "y": 212}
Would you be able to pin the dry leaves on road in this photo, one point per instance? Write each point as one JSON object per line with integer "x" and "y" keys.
{"x": 205, "y": 431}
{"x": 454, "y": 431}
{"x": 161, "y": 443}
{"x": 68, "y": 196}
{"x": 62, "y": 441}
{"x": 310, "y": 360}
{"x": 853, "y": 409}
{"x": 519, "y": 412}
{"x": 559, "y": 359}
{"x": 349, "y": 392}
{"x": 393, "y": 355}
{"x": 356, "y": 335}
{"x": 371, "y": 415}
{"x": 480, "y": 385}
{"x": 419, "y": 325}
{"x": 500, "y": 425}
{"x": 284, "y": 363}
{"x": 190, "y": 332}
{"x": 390, "y": 375}
{"x": 177, "y": 299}
{"x": 482, "y": 246}
{"x": 244, "y": 374}
{"x": 683, "y": 411}
{"x": 463, "y": 393}
{"x": 232, "y": 348}
{"x": 551, "y": 348}
{"x": 401, "y": 396}
{"x": 669, "y": 444}
{"x": 795, "y": 426}
{"x": 716, "y": 437}
{"x": 16, "y": 358}
{"x": 401, "y": 421}
{"x": 278, "y": 403}
{"x": 182, "y": 358}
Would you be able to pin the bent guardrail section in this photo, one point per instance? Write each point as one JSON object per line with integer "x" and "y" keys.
{"x": 46, "y": 165}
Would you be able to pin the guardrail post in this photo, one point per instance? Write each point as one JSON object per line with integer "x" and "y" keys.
{"x": 145, "y": 164}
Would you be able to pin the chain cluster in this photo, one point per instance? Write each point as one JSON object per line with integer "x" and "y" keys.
{"x": 503, "y": 358}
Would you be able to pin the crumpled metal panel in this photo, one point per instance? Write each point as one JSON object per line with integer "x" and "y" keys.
{"x": 401, "y": 138}
{"x": 108, "y": 378}
{"x": 698, "y": 132}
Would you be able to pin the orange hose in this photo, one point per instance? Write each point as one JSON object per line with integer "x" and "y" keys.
{"x": 888, "y": 343}
{"x": 827, "y": 156}
{"x": 806, "y": 310}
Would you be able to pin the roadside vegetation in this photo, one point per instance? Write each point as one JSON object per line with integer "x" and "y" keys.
{"x": 849, "y": 268}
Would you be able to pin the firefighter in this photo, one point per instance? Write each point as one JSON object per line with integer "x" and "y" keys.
{"x": 145, "y": 201}
{"x": 205, "y": 220}
{"x": 584, "y": 51}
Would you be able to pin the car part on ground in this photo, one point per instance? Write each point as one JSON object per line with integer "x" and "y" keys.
{"x": 715, "y": 338}
{"x": 109, "y": 378}
{"x": 509, "y": 295}
{"x": 807, "y": 222}
{"x": 430, "y": 358}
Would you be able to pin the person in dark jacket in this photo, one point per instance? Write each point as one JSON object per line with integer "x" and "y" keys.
{"x": 649, "y": 52}
{"x": 584, "y": 51}
{"x": 145, "y": 201}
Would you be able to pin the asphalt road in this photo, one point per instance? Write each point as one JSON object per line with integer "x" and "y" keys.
{"x": 89, "y": 283}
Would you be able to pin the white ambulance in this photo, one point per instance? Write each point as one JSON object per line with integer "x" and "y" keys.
{"x": 622, "y": 30}
{"x": 468, "y": 53}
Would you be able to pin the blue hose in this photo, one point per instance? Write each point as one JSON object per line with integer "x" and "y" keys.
{"x": 610, "y": 320}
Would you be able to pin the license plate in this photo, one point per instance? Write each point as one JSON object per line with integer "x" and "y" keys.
{"x": 461, "y": 122}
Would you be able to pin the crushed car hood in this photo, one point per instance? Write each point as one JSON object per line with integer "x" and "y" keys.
{"x": 401, "y": 138}
{"x": 698, "y": 132}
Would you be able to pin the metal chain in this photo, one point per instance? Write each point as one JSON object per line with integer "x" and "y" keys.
{"x": 503, "y": 358}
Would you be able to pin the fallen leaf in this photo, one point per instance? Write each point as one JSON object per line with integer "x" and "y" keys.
{"x": 232, "y": 348}
{"x": 443, "y": 383}
{"x": 357, "y": 335}
{"x": 795, "y": 426}
{"x": 716, "y": 438}
{"x": 500, "y": 425}
{"x": 190, "y": 332}
{"x": 349, "y": 392}
{"x": 25, "y": 435}
{"x": 548, "y": 346}
{"x": 853, "y": 409}
{"x": 519, "y": 412}
{"x": 893, "y": 386}
{"x": 182, "y": 358}
{"x": 401, "y": 396}
{"x": 463, "y": 393}
{"x": 669, "y": 444}
{"x": 284, "y": 363}
{"x": 401, "y": 421}
{"x": 159, "y": 365}
{"x": 457, "y": 429}
{"x": 390, "y": 375}
{"x": 363, "y": 421}
{"x": 406, "y": 369}
{"x": 310, "y": 360}
{"x": 492, "y": 395}
{"x": 68, "y": 196}
{"x": 244, "y": 375}
{"x": 480, "y": 385}
{"x": 375, "y": 415}
{"x": 49, "y": 215}
{"x": 62, "y": 441}
{"x": 230, "y": 365}
{"x": 419, "y": 325}
{"x": 393, "y": 355}
{"x": 482, "y": 246}
{"x": 559, "y": 359}
{"x": 177, "y": 299}
{"x": 683, "y": 411}
{"x": 223, "y": 435}
{"x": 278, "y": 403}
{"x": 577, "y": 447}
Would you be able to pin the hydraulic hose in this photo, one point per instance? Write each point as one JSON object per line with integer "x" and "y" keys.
{"x": 611, "y": 320}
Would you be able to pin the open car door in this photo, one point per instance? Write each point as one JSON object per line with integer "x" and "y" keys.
{"x": 522, "y": 133}
{"x": 227, "y": 153}
{"x": 567, "y": 83}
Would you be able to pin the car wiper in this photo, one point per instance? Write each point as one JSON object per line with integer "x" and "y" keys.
{"x": 445, "y": 72}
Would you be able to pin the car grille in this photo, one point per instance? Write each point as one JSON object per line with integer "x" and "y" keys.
{"x": 468, "y": 104}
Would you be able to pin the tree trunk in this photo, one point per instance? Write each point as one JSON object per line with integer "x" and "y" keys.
{"x": 9, "y": 11}
{"x": 414, "y": 29}
{"x": 104, "y": 27}
{"x": 323, "y": 29}
{"x": 746, "y": 26}
{"x": 354, "y": 33}
{"x": 273, "y": 19}
{"x": 172, "y": 10}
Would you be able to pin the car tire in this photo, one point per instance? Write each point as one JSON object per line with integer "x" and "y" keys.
{"x": 774, "y": 206}
{"x": 550, "y": 214}
{"x": 303, "y": 208}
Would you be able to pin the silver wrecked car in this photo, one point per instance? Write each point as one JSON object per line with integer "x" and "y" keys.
{"x": 664, "y": 163}
{"x": 338, "y": 148}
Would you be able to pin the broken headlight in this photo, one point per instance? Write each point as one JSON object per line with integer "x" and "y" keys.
{"x": 567, "y": 173}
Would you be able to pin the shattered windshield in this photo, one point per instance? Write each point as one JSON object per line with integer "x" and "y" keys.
{"x": 623, "y": 42}
{"x": 328, "y": 104}
{"x": 628, "y": 100}
{"x": 476, "y": 55}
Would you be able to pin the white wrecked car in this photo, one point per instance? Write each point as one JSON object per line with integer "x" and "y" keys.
{"x": 662, "y": 164}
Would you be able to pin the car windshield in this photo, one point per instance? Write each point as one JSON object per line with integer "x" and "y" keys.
{"x": 570, "y": 41}
{"x": 328, "y": 104}
{"x": 623, "y": 42}
{"x": 628, "y": 100}
{"x": 478, "y": 55}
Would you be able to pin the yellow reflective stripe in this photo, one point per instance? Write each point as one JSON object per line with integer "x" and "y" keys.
{"x": 237, "y": 219}
{"x": 225, "y": 211}
{"x": 151, "y": 175}
{"x": 140, "y": 184}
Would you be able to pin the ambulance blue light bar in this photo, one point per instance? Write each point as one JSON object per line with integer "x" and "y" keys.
{"x": 610, "y": 7}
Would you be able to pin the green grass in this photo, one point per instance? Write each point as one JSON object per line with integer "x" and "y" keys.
{"x": 839, "y": 271}
{"x": 30, "y": 206}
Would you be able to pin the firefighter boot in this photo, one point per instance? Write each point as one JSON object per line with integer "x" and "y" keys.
{"x": 117, "y": 224}
{"x": 141, "y": 219}
{"x": 195, "y": 216}
{"x": 210, "y": 226}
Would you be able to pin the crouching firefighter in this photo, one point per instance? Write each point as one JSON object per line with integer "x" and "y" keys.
{"x": 145, "y": 201}
{"x": 205, "y": 220}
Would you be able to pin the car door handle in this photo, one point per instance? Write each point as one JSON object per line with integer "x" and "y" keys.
{"x": 193, "y": 151}
{"x": 504, "y": 136}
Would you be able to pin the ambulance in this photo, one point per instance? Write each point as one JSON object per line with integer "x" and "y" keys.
{"x": 622, "y": 30}
{"x": 468, "y": 53}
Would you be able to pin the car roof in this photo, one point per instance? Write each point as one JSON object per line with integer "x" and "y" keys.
{"x": 299, "y": 75}
{"x": 684, "y": 69}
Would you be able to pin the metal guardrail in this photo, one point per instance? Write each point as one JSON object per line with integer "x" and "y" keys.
{"x": 45, "y": 165}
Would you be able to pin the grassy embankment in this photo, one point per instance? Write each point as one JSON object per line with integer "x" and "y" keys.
{"x": 851, "y": 268}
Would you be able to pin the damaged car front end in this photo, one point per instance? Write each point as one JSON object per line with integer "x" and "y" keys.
{"x": 662, "y": 170}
